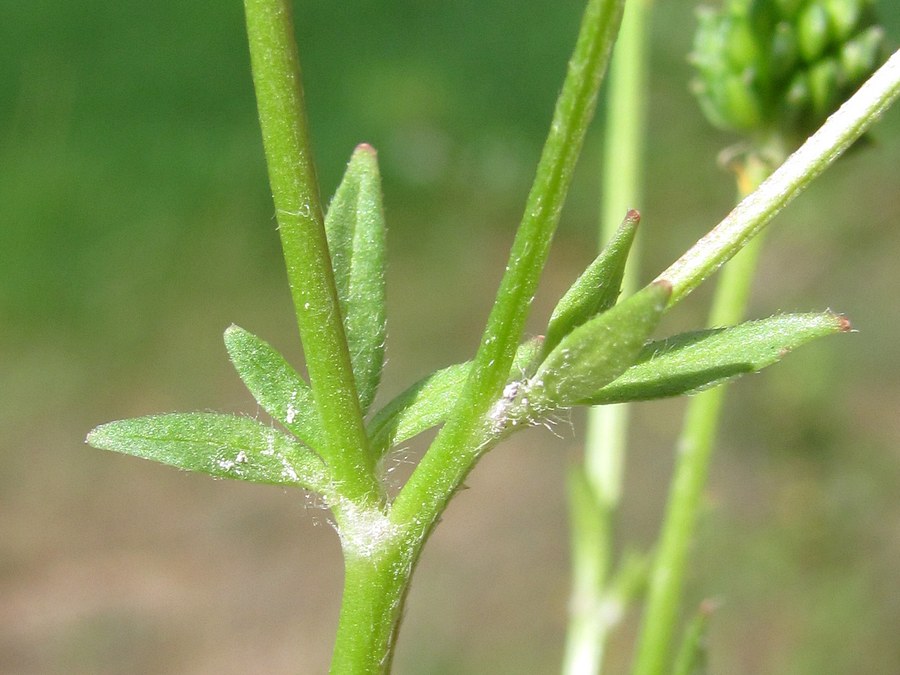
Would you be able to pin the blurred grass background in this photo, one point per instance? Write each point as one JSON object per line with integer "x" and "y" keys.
{"x": 135, "y": 225}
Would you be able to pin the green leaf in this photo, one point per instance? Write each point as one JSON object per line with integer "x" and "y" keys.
{"x": 690, "y": 362}
{"x": 275, "y": 385}
{"x": 597, "y": 289}
{"x": 598, "y": 351}
{"x": 356, "y": 240}
{"x": 420, "y": 407}
{"x": 789, "y": 8}
{"x": 429, "y": 401}
{"x": 224, "y": 446}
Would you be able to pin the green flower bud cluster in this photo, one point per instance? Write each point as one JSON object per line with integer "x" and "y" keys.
{"x": 782, "y": 65}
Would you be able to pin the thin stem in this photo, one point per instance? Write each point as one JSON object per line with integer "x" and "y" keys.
{"x": 592, "y": 532}
{"x": 701, "y": 421}
{"x": 462, "y": 439}
{"x": 837, "y": 134}
{"x": 591, "y": 540}
{"x": 378, "y": 573}
{"x": 694, "y": 452}
{"x": 292, "y": 177}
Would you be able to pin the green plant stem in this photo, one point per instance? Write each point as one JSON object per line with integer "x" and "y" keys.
{"x": 837, "y": 134}
{"x": 374, "y": 591}
{"x": 692, "y": 466}
{"x": 378, "y": 573}
{"x": 591, "y": 536}
{"x": 701, "y": 422}
{"x": 463, "y": 438}
{"x": 292, "y": 177}
{"x": 592, "y": 532}
{"x": 746, "y": 221}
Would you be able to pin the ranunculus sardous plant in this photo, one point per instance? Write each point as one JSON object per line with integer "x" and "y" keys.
{"x": 325, "y": 439}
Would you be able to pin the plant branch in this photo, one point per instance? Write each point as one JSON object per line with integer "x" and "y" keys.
{"x": 462, "y": 439}
{"x": 378, "y": 574}
{"x": 789, "y": 180}
{"x": 292, "y": 177}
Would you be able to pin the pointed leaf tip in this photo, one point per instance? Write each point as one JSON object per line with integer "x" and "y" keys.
{"x": 691, "y": 362}
{"x": 844, "y": 325}
{"x": 354, "y": 226}
{"x": 633, "y": 217}
{"x": 598, "y": 287}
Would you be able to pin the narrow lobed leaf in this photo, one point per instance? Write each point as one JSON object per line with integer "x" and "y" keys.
{"x": 224, "y": 446}
{"x": 598, "y": 351}
{"x": 598, "y": 287}
{"x": 690, "y": 362}
{"x": 275, "y": 385}
{"x": 354, "y": 225}
{"x": 429, "y": 401}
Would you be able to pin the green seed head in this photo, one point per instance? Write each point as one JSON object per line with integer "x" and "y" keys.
{"x": 782, "y": 66}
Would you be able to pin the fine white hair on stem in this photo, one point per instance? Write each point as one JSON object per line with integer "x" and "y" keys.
{"x": 750, "y": 216}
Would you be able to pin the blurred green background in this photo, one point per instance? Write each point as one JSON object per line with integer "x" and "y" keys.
{"x": 135, "y": 225}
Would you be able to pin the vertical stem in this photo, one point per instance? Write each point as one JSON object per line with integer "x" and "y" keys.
{"x": 377, "y": 579}
{"x": 292, "y": 177}
{"x": 592, "y": 532}
{"x": 374, "y": 590}
{"x": 590, "y": 525}
{"x": 694, "y": 452}
{"x": 460, "y": 442}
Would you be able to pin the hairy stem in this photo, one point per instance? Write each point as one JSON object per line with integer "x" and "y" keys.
{"x": 461, "y": 440}
{"x": 292, "y": 177}
{"x": 381, "y": 552}
{"x": 753, "y": 213}
{"x": 374, "y": 591}
{"x": 701, "y": 422}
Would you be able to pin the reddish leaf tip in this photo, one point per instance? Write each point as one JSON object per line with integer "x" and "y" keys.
{"x": 844, "y": 324}
{"x": 663, "y": 283}
{"x": 365, "y": 147}
{"x": 633, "y": 216}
